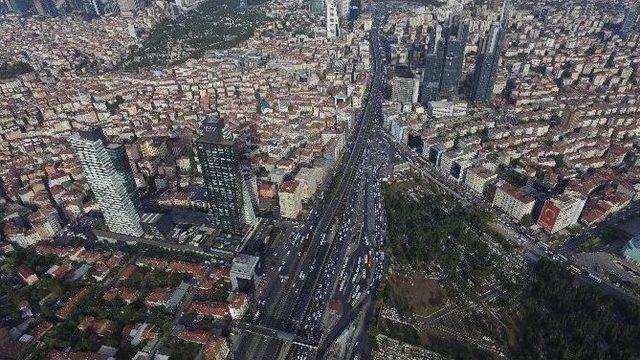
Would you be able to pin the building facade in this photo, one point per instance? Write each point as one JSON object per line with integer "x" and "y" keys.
{"x": 477, "y": 178}
{"x": 444, "y": 59}
{"x": 332, "y": 20}
{"x": 243, "y": 272}
{"x": 455, "y": 33}
{"x": 108, "y": 172}
{"x": 630, "y": 20}
{"x": 317, "y": 7}
{"x": 486, "y": 70}
{"x": 405, "y": 86}
{"x": 222, "y": 176}
{"x": 560, "y": 212}
{"x": 432, "y": 74}
{"x": 129, "y": 7}
{"x": 513, "y": 201}
{"x": 186, "y": 5}
{"x": 631, "y": 251}
{"x": 290, "y": 199}
{"x": 344, "y": 7}
{"x": 444, "y": 108}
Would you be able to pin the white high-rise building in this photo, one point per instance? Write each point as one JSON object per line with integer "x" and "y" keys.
{"x": 247, "y": 204}
{"x": 332, "y": 19}
{"x": 343, "y": 9}
{"x": 108, "y": 172}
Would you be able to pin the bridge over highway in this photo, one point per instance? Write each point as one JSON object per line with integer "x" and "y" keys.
{"x": 281, "y": 335}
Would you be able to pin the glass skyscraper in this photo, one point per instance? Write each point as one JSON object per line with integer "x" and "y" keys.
{"x": 630, "y": 20}
{"x": 455, "y": 35}
{"x": 433, "y": 68}
{"x": 108, "y": 172}
{"x": 486, "y": 69}
{"x": 222, "y": 176}
{"x": 444, "y": 59}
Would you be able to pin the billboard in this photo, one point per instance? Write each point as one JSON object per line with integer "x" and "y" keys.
{"x": 548, "y": 216}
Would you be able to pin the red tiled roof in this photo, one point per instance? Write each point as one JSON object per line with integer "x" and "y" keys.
{"x": 66, "y": 310}
{"x": 215, "y": 310}
{"x": 194, "y": 336}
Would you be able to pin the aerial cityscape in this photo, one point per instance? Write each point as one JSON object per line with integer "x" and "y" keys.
{"x": 319, "y": 179}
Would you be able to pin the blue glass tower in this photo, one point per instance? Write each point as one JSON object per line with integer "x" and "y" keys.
{"x": 444, "y": 59}
{"x": 629, "y": 22}
{"x": 455, "y": 35}
{"x": 486, "y": 69}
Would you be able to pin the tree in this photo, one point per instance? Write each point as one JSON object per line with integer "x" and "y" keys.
{"x": 563, "y": 321}
{"x": 9, "y": 70}
{"x": 527, "y": 220}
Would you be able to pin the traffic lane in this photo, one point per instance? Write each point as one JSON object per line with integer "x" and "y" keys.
{"x": 321, "y": 294}
{"x": 342, "y": 191}
{"x": 349, "y": 166}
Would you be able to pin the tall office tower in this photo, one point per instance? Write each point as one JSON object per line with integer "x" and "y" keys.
{"x": 223, "y": 180}
{"x": 108, "y": 7}
{"x": 454, "y": 34}
{"x": 505, "y": 13}
{"x": 629, "y": 22}
{"x": 332, "y": 19}
{"x": 40, "y": 7}
{"x": 5, "y": 7}
{"x": 92, "y": 8}
{"x": 433, "y": 60}
{"x": 444, "y": 59}
{"x": 484, "y": 75}
{"x": 108, "y": 172}
{"x": 50, "y": 7}
{"x": 344, "y": 7}
{"x": 20, "y": 7}
{"x": 405, "y": 86}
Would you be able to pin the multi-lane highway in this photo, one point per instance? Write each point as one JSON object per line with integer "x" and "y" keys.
{"x": 355, "y": 266}
{"x": 291, "y": 319}
{"x": 336, "y": 256}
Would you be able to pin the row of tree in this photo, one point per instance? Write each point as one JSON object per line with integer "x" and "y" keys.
{"x": 9, "y": 70}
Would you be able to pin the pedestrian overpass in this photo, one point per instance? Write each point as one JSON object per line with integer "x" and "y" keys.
{"x": 284, "y": 336}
